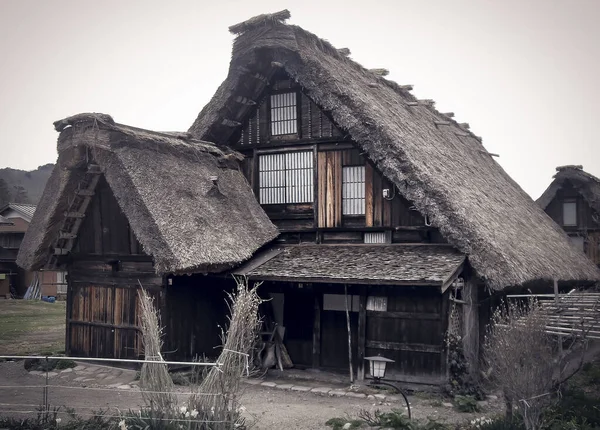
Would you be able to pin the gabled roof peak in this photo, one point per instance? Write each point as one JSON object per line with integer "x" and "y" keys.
{"x": 261, "y": 21}
{"x": 569, "y": 167}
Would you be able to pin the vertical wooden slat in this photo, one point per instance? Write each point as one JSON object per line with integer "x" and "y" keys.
{"x": 362, "y": 332}
{"x": 316, "y": 349}
{"x": 471, "y": 324}
{"x": 368, "y": 195}
{"x": 322, "y": 188}
{"x": 387, "y": 205}
{"x": 337, "y": 164}
{"x": 330, "y": 186}
{"x": 377, "y": 199}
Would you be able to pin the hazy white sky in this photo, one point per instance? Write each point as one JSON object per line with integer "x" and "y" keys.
{"x": 524, "y": 73}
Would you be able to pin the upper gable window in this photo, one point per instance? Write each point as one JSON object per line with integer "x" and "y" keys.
{"x": 569, "y": 213}
{"x": 284, "y": 114}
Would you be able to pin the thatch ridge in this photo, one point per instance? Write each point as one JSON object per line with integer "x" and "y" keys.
{"x": 587, "y": 184}
{"x": 164, "y": 186}
{"x": 436, "y": 163}
{"x": 260, "y": 20}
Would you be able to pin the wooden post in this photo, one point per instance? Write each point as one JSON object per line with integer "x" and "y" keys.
{"x": 556, "y": 297}
{"x": 362, "y": 333}
{"x": 349, "y": 334}
{"x": 470, "y": 338}
{"x": 316, "y": 361}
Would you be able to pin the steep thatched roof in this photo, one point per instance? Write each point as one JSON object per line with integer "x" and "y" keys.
{"x": 164, "y": 185}
{"x": 587, "y": 185}
{"x": 435, "y": 162}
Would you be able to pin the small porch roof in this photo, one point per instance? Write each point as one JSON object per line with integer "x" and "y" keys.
{"x": 397, "y": 264}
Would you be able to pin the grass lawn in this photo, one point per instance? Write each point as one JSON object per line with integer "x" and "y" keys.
{"x": 31, "y": 327}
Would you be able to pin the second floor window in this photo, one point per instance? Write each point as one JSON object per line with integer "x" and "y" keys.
{"x": 286, "y": 178}
{"x": 353, "y": 190}
{"x": 570, "y": 213}
{"x": 284, "y": 114}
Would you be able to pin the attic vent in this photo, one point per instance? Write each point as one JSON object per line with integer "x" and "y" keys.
{"x": 376, "y": 237}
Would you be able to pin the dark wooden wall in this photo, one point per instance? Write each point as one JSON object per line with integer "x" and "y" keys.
{"x": 333, "y": 150}
{"x": 195, "y": 312}
{"x": 105, "y": 271}
{"x": 588, "y": 220}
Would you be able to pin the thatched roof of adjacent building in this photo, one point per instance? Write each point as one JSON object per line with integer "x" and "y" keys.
{"x": 588, "y": 186}
{"x": 186, "y": 200}
{"x": 434, "y": 161}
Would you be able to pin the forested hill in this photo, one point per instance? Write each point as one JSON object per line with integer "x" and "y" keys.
{"x": 20, "y": 186}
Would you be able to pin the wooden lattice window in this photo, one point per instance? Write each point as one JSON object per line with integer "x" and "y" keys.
{"x": 353, "y": 190}
{"x": 286, "y": 178}
{"x": 284, "y": 114}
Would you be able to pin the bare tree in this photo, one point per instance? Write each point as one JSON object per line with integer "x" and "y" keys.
{"x": 527, "y": 363}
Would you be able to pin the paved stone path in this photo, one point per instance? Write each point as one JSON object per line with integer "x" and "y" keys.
{"x": 331, "y": 390}
{"x": 93, "y": 374}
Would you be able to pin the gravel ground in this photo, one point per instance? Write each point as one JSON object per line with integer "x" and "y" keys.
{"x": 267, "y": 408}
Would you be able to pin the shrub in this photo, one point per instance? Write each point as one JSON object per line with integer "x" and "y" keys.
{"x": 65, "y": 364}
{"x": 339, "y": 423}
{"x": 466, "y": 404}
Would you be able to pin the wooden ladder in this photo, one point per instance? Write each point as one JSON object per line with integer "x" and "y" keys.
{"x": 75, "y": 214}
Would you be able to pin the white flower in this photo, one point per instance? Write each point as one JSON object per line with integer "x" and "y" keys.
{"x": 58, "y": 420}
{"x": 194, "y": 413}
{"x": 242, "y": 409}
{"x": 183, "y": 409}
{"x": 122, "y": 425}
{"x": 187, "y": 414}
{"x": 212, "y": 410}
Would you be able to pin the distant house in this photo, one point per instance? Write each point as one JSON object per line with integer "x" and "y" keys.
{"x": 14, "y": 222}
{"x": 336, "y": 187}
{"x": 573, "y": 201}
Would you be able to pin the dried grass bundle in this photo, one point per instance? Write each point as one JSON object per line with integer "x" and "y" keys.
{"x": 219, "y": 392}
{"x": 155, "y": 382}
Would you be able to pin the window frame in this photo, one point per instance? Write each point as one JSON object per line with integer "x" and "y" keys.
{"x": 570, "y": 202}
{"x": 310, "y": 155}
{"x": 283, "y": 137}
{"x": 364, "y": 190}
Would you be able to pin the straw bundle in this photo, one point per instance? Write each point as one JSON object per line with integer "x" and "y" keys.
{"x": 220, "y": 390}
{"x": 155, "y": 382}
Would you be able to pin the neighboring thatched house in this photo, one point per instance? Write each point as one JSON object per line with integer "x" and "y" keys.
{"x": 389, "y": 215}
{"x": 573, "y": 201}
{"x": 14, "y": 222}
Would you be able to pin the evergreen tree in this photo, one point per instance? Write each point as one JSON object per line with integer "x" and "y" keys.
{"x": 20, "y": 194}
{"x": 4, "y": 192}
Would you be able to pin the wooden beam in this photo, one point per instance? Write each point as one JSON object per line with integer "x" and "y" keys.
{"x": 449, "y": 114}
{"x": 362, "y": 333}
{"x": 344, "y": 51}
{"x": 465, "y": 125}
{"x": 406, "y": 87}
{"x": 66, "y": 235}
{"x": 453, "y": 276}
{"x": 404, "y": 315}
{"x": 470, "y": 338}
{"x": 399, "y": 346}
{"x": 85, "y": 193}
{"x": 438, "y": 123}
{"x": 60, "y": 251}
{"x": 230, "y": 122}
{"x": 74, "y": 215}
{"x": 380, "y": 71}
{"x": 245, "y": 101}
{"x": 316, "y": 349}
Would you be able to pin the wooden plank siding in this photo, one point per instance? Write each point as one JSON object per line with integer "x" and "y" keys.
{"x": 106, "y": 268}
{"x": 411, "y": 332}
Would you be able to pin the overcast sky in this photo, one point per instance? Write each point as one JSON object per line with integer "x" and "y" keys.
{"x": 524, "y": 73}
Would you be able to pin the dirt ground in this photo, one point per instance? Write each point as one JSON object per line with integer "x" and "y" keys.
{"x": 31, "y": 327}
{"x": 267, "y": 408}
